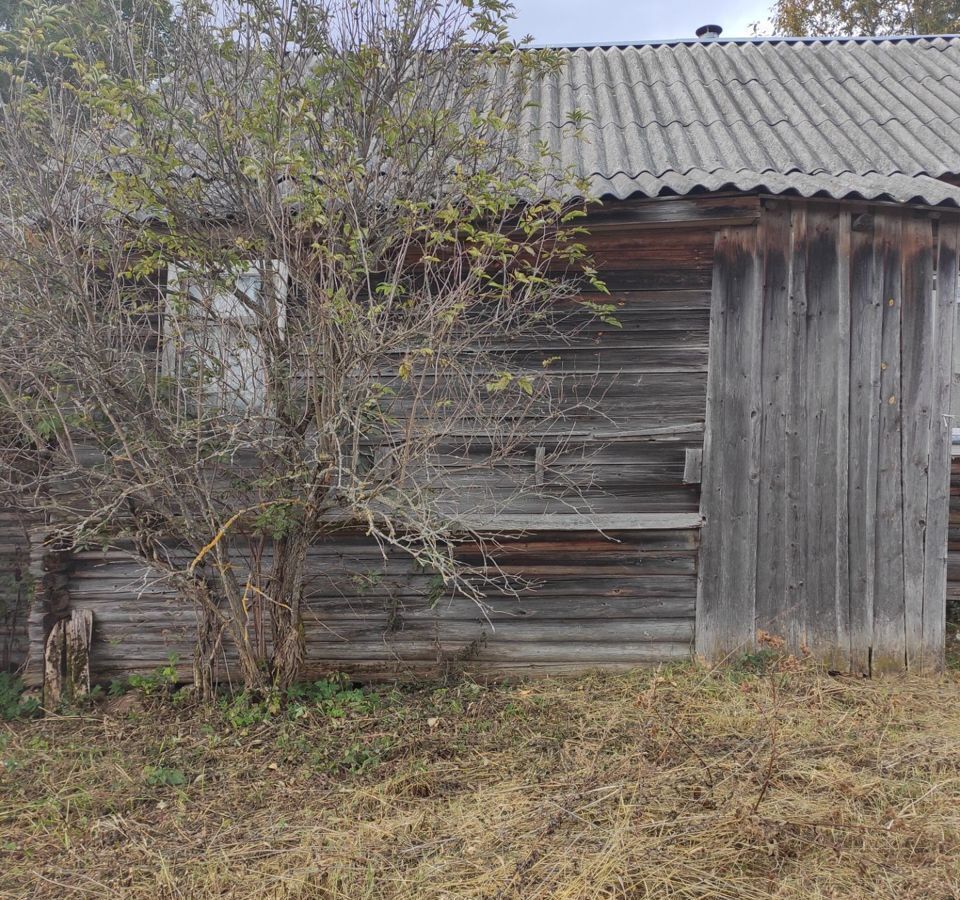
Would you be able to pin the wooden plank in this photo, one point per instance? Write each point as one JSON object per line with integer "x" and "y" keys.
{"x": 355, "y": 544}
{"x": 842, "y": 447}
{"x": 79, "y": 632}
{"x": 796, "y": 476}
{"x": 53, "y": 665}
{"x": 604, "y": 522}
{"x": 410, "y": 630}
{"x": 343, "y": 653}
{"x": 716, "y": 211}
{"x": 687, "y": 248}
{"x": 556, "y": 559}
{"x": 866, "y": 313}
{"x": 916, "y": 379}
{"x": 726, "y": 596}
{"x": 741, "y": 451}
{"x": 772, "y": 615}
{"x": 664, "y": 304}
{"x": 889, "y": 634}
{"x": 379, "y": 670}
{"x": 15, "y": 591}
{"x": 938, "y": 500}
{"x": 709, "y": 602}
{"x": 561, "y": 651}
{"x": 575, "y": 583}
{"x": 153, "y": 619}
{"x": 693, "y": 465}
{"x": 642, "y": 356}
{"x": 49, "y": 570}
{"x": 583, "y": 584}
{"x": 821, "y": 439}
{"x": 664, "y": 278}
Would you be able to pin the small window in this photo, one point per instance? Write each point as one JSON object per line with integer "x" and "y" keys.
{"x": 213, "y": 335}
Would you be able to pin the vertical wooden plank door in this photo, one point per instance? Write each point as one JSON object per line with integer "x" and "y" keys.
{"x": 826, "y": 454}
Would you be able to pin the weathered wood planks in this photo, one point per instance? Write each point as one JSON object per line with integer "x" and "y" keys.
{"x": 590, "y": 599}
{"x": 941, "y": 426}
{"x": 854, "y": 387}
{"x": 825, "y": 453}
{"x": 775, "y": 379}
{"x": 15, "y": 589}
{"x": 726, "y": 600}
{"x": 889, "y": 616}
{"x": 866, "y": 313}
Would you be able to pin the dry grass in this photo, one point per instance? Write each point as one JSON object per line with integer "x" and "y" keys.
{"x": 680, "y": 783}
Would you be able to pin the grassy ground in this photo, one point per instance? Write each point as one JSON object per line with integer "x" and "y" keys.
{"x": 680, "y": 783}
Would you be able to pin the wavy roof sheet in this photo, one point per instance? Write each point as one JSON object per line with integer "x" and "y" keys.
{"x": 876, "y": 119}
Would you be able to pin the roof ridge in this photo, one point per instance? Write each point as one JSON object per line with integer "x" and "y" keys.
{"x": 584, "y": 84}
{"x": 767, "y": 170}
{"x": 624, "y": 124}
{"x": 770, "y": 39}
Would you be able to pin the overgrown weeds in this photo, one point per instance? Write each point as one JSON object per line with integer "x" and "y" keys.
{"x": 768, "y": 780}
{"x": 13, "y": 702}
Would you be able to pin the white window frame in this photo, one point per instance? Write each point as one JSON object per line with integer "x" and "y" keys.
{"x": 231, "y": 312}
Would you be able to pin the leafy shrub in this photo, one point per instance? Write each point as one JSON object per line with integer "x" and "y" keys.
{"x": 358, "y": 758}
{"x": 161, "y": 680}
{"x": 161, "y": 776}
{"x": 332, "y": 697}
{"x": 757, "y": 662}
{"x": 241, "y": 711}
{"x": 13, "y": 705}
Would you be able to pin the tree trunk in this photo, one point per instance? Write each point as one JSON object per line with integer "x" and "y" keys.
{"x": 209, "y": 642}
{"x": 238, "y": 624}
{"x": 286, "y": 608}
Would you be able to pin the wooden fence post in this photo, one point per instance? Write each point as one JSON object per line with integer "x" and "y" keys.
{"x": 66, "y": 663}
{"x": 48, "y": 625}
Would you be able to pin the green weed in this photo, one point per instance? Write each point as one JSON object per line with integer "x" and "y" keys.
{"x": 13, "y": 704}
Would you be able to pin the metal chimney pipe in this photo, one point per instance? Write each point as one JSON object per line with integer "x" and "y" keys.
{"x": 709, "y": 32}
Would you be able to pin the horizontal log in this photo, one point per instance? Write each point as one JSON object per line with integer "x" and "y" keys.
{"x": 506, "y": 652}
{"x": 713, "y": 212}
{"x": 627, "y": 358}
{"x": 667, "y": 277}
{"x": 417, "y": 587}
{"x": 411, "y": 630}
{"x": 145, "y": 657}
{"x": 593, "y": 501}
{"x": 682, "y": 250}
{"x": 609, "y": 521}
{"x": 114, "y": 580}
{"x": 157, "y": 617}
{"x": 354, "y": 541}
{"x": 372, "y": 672}
{"x": 481, "y": 671}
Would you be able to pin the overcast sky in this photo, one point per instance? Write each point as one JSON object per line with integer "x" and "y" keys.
{"x": 594, "y": 21}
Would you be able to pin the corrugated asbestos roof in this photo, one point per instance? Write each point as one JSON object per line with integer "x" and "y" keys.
{"x": 874, "y": 119}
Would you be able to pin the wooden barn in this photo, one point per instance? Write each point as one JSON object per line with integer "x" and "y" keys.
{"x": 780, "y": 231}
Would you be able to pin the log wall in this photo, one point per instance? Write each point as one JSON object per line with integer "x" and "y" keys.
{"x": 609, "y": 544}
{"x": 15, "y": 590}
{"x": 594, "y": 600}
{"x": 826, "y": 459}
{"x": 819, "y": 422}
{"x": 953, "y": 545}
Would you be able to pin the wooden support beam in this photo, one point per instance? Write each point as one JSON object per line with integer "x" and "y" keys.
{"x": 692, "y": 465}
{"x": 726, "y": 592}
{"x": 598, "y": 522}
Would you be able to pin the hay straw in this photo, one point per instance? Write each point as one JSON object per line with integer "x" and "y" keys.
{"x": 666, "y": 784}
